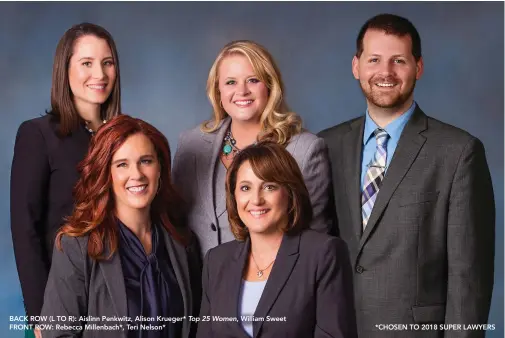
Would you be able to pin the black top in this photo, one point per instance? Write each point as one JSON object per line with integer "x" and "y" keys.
{"x": 43, "y": 174}
{"x": 151, "y": 286}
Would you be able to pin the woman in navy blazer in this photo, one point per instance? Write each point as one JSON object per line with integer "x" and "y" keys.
{"x": 85, "y": 93}
{"x": 278, "y": 278}
{"x": 247, "y": 95}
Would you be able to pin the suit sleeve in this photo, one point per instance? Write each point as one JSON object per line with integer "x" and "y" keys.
{"x": 204, "y": 327}
{"x": 335, "y": 315}
{"x": 28, "y": 200}
{"x": 66, "y": 293}
{"x": 316, "y": 174}
{"x": 470, "y": 242}
{"x": 332, "y": 210}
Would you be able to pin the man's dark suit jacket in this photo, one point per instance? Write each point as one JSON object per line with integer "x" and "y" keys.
{"x": 310, "y": 285}
{"x": 43, "y": 174}
{"x": 427, "y": 253}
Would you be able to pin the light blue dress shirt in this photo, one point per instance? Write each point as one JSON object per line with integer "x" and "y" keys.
{"x": 394, "y": 130}
{"x": 250, "y": 295}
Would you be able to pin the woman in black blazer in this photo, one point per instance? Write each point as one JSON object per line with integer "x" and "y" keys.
{"x": 125, "y": 253}
{"x": 85, "y": 93}
{"x": 278, "y": 278}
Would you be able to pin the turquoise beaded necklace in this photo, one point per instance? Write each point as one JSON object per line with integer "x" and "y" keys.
{"x": 229, "y": 146}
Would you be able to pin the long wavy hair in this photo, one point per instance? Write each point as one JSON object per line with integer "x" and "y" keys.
{"x": 93, "y": 213}
{"x": 278, "y": 123}
{"x": 62, "y": 104}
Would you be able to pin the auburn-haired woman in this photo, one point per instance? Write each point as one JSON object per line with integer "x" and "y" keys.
{"x": 247, "y": 95}
{"x": 278, "y": 278}
{"x": 124, "y": 252}
{"x": 85, "y": 93}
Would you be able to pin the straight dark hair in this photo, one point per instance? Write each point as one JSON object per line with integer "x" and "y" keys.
{"x": 62, "y": 105}
{"x": 391, "y": 24}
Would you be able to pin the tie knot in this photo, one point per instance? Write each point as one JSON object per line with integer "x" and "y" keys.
{"x": 381, "y": 136}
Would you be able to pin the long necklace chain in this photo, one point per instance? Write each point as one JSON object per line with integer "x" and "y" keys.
{"x": 91, "y": 131}
{"x": 260, "y": 271}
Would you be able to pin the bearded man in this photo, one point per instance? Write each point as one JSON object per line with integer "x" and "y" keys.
{"x": 413, "y": 198}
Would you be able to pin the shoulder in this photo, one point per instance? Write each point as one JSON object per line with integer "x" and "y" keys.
{"x": 194, "y": 137}
{"x": 447, "y": 133}
{"x": 36, "y": 135}
{"x": 312, "y": 238}
{"x": 307, "y": 148}
{"x": 305, "y": 137}
{"x": 223, "y": 252}
{"x": 198, "y": 132}
{"x": 192, "y": 133}
{"x": 322, "y": 245}
{"x": 448, "y": 142}
{"x": 43, "y": 123}
{"x": 339, "y": 129}
{"x": 75, "y": 244}
{"x": 37, "y": 129}
{"x": 218, "y": 258}
{"x": 37, "y": 124}
{"x": 72, "y": 262}
{"x": 188, "y": 143}
{"x": 304, "y": 143}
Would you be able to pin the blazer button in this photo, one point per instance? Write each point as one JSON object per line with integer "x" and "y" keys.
{"x": 360, "y": 269}
{"x": 213, "y": 227}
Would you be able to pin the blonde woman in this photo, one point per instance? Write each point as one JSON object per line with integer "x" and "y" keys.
{"x": 247, "y": 95}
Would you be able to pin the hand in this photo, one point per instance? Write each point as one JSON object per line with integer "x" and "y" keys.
{"x": 37, "y": 333}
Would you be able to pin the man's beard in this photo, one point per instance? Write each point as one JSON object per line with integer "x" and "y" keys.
{"x": 383, "y": 100}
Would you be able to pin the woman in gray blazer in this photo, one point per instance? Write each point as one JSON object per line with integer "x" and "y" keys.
{"x": 246, "y": 91}
{"x": 278, "y": 278}
{"x": 123, "y": 265}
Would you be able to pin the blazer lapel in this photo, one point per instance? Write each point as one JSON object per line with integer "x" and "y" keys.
{"x": 406, "y": 152}
{"x": 113, "y": 275}
{"x": 177, "y": 254}
{"x": 234, "y": 285}
{"x": 281, "y": 270}
{"x": 206, "y": 165}
{"x": 353, "y": 140}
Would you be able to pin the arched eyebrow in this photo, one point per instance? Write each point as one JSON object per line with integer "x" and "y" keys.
{"x": 143, "y": 157}
{"x": 92, "y": 58}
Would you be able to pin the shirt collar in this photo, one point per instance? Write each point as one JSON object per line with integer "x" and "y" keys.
{"x": 394, "y": 128}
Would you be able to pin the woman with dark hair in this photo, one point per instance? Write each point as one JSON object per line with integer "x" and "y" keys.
{"x": 278, "y": 278}
{"x": 124, "y": 252}
{"x": 85, "y": 93}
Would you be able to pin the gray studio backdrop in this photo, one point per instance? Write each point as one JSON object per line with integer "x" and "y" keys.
{"x": 166, "y": 50}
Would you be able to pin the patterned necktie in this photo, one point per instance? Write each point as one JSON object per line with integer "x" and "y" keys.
{"x": 374, "y": 175}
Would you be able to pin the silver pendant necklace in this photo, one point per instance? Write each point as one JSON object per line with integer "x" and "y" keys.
{"x": 260, "y": 271}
